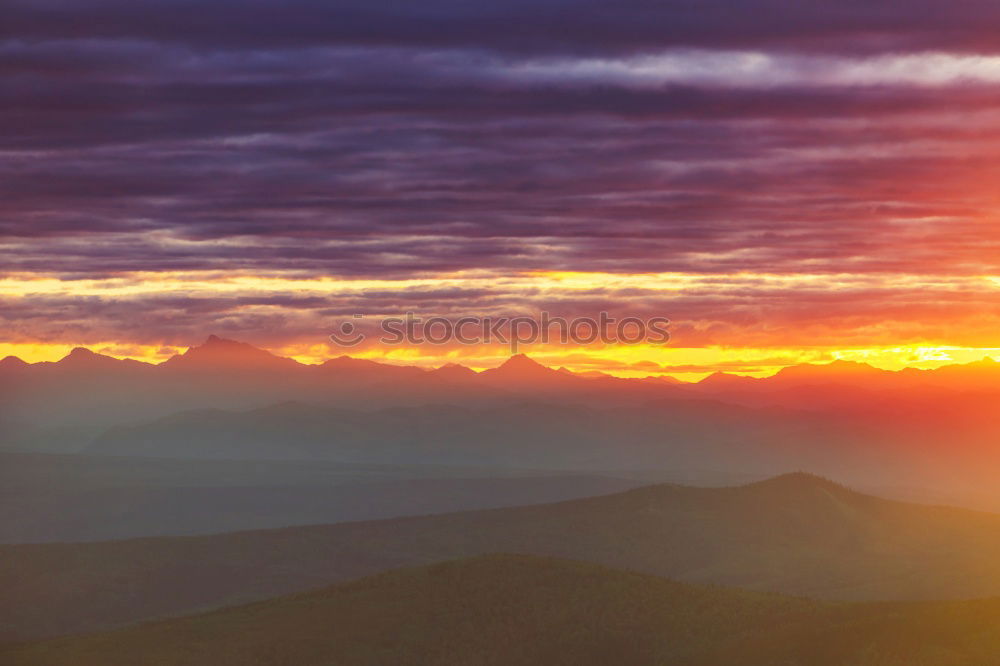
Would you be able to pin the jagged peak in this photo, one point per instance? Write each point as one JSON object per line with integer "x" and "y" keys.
{"x": 521, "y": 361}
{"x": 84, "y": 356}
{"x": 520, "y": 367}
{"x": 215, "y": 342}
{"x": 217, "y": 350}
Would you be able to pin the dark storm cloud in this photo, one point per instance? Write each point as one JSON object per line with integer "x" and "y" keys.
{"x": 391, "y": 140}
{"x": 521, "y": 26}
{"x": 394, "y": 197}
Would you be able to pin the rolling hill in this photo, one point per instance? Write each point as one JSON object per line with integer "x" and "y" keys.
{"x": 795, "y": 534}
{"x": 512, "y": 610}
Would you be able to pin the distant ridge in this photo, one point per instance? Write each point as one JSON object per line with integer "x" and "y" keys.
{"x": 348, "y": 367}
{"x": 797, "y": 534}
{"x": 344, "y": 361}
{"x": 216, "y": 350}
{"x": 96, "y": 392}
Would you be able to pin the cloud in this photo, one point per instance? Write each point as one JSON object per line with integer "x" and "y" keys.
{"x": 755, "y": 311}
{"x": 518, "y": 26}
{"x": 361, "y": 141}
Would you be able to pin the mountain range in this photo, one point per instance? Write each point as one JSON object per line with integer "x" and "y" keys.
{"x": 795, "y": 534}
{"x": 934, "y": 431}
{"x": 86, "y": 388}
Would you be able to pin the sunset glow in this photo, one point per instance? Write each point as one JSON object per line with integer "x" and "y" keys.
{"x": 794, "y": 194}
{"x": 745, "y": 323}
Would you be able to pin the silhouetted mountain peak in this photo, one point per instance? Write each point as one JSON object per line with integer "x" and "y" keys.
{"x": 723, "y": 379}
{"x": 11, "y": 362}
{"x": 520, "y": 364}
{"x": 523, "y": 373}
{"x": 217, "y": 343}
{"x": 344, "y": 361}
{"x": 216, "y": 351}
{"x": 521, "y": 361}
{"x": 81, "y": 357}
{"x": 838, "y": 368}
{"x": 454, "y": 371}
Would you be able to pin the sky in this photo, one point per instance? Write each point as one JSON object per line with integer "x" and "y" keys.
{"x": 786, "y": 181}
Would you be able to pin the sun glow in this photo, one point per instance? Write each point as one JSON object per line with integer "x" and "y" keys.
{"x": 762, "y": 338}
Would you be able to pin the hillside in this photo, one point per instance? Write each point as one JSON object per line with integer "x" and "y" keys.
{"x": 51, "y": 498}
{"x": 796, "y": 534}
{"x": 508, "y": 609}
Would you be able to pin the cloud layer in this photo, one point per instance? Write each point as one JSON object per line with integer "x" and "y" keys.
{"x": 357, "y": 141}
